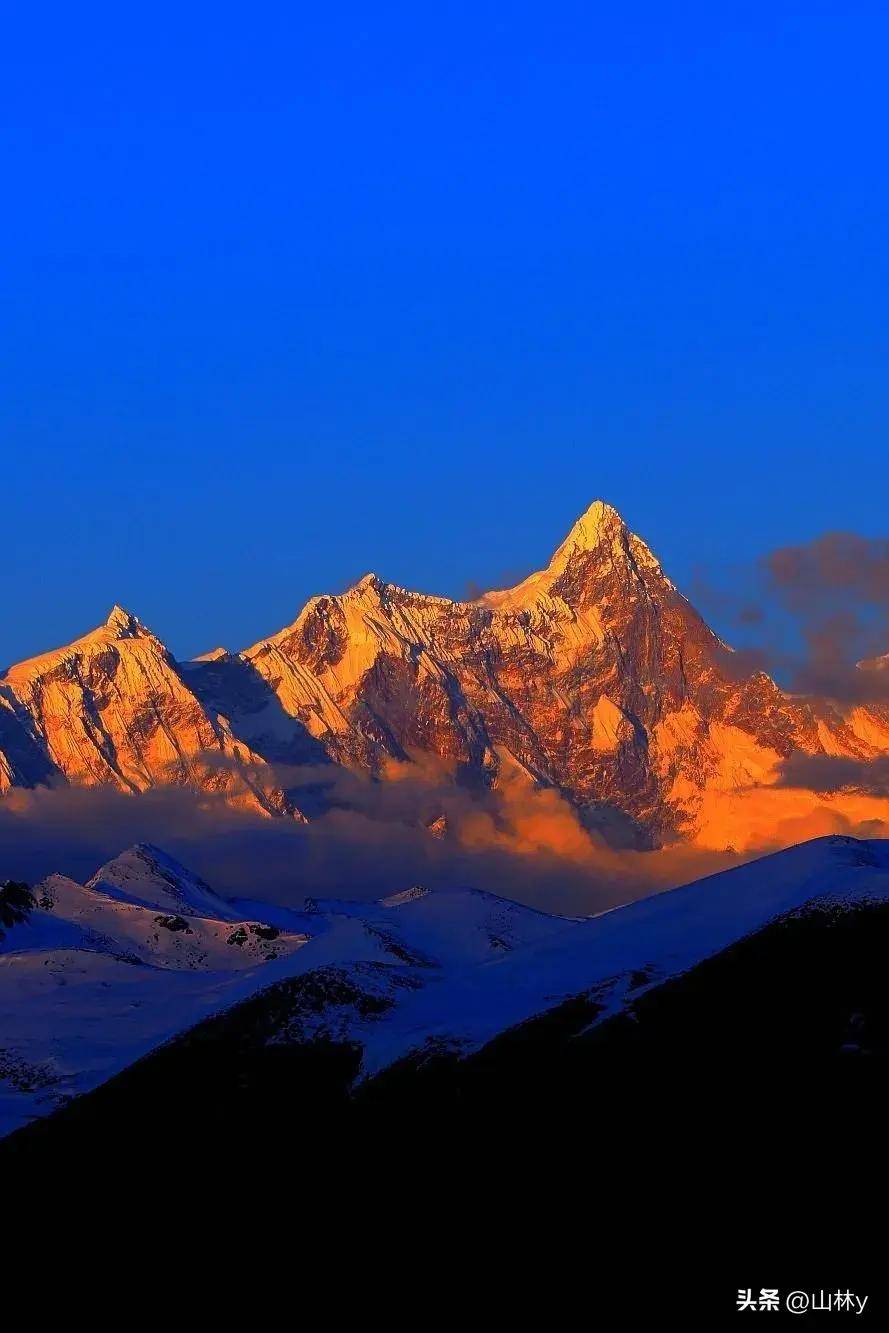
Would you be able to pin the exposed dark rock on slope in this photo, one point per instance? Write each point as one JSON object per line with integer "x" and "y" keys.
{"x": 779, "y": 1041}
{"x": 595, "y": 677}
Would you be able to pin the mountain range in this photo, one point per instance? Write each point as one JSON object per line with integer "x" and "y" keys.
{"x": 594, "y": 677}
{"x": 194, "y": 1005}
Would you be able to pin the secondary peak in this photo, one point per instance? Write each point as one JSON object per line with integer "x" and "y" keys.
{"x": 123, "y": 622}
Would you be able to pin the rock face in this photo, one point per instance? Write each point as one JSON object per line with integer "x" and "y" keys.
{"x": 113, "y": 708}
{"x": 594, "y": 676}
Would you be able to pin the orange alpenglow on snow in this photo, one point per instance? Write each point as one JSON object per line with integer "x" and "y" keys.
{"x": 593, "y": 681}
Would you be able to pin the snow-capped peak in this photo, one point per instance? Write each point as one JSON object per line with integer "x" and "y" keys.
{"x": 123, "y": 622}
{"x": 89, "y": 984}
{"x": 600, "y": 528}
{"x": 366, "y": 581}
{"x": 145, "y": 875}
{"x": 598, "y": 523}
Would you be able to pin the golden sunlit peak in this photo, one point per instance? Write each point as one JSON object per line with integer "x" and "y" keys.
{"x": 123, "y": 621}
{"x": 594, "y": 523}
{"x": 599, "y": 524}
{"x": 367, "y": 581}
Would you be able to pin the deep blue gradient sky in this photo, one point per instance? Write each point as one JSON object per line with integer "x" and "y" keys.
{"x": 292, "y": 292}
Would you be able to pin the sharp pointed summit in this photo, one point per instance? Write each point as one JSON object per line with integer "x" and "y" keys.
{"x": 600, "y": 522}
{"x": 115, "y": 709}
{"x": 123, "y": 622}
{"x": 598, "y": 539}
{"x": 146, "y": 875}
{"x": 367, "y": 581}
{"x": 601, "y": 528}
{"x": 594, "y": 676}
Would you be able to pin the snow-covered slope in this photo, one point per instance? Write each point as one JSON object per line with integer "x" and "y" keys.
{"x": 96, "y": 975}
{"x": 144, "y": 874}
{"x": 90, "y": 981}
{"x": 451, "y": 927}
{"x": 165, "y": 939}
{"x": 92, "y": 977}
{"x": 630, "y": 948}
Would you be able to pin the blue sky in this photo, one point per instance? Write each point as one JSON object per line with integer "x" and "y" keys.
{"x": 288, "y": 295}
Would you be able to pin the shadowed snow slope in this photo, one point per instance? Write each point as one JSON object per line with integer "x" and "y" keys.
{"x": 146, "y": 875}
{"x": 91, "y": 980}
{"x": 95, "y": 975}
{"x": 632, "y": 947}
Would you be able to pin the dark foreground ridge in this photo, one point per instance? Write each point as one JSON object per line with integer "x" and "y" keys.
{"x": 791, "y": 1022}
{"x": 728, "y": 1130}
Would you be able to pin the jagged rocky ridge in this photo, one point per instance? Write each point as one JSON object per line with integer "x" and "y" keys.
{"x": 595, "y": 677}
